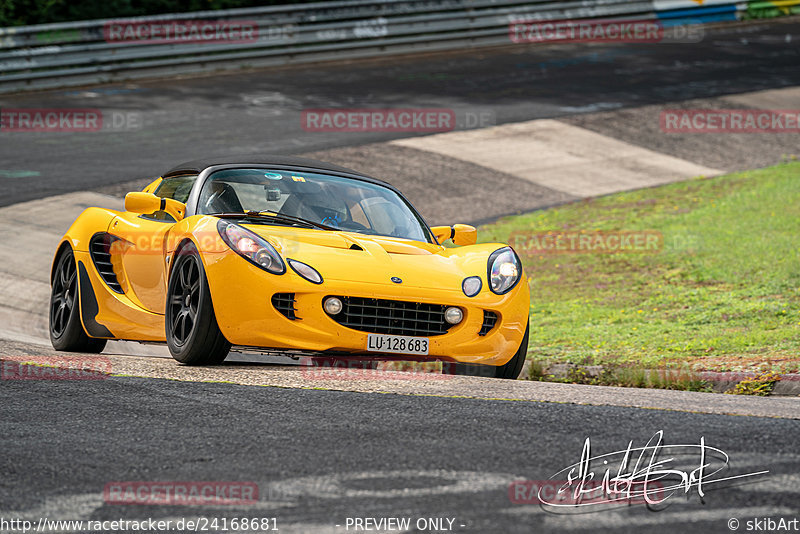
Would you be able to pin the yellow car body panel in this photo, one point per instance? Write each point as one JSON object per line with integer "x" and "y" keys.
{"x": 124, "y": 318}
{"x": 88, "y": 223}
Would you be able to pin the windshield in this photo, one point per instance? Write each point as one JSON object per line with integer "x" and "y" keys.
{"x": 342, "y": 203}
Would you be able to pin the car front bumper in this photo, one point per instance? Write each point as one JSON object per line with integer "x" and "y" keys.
{"x": 242, "y": 297}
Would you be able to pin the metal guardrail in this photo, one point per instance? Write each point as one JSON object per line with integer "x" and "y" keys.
{"x": 78, "y": 53}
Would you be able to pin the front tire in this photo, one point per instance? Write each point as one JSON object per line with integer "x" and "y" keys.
{"x": 510, "y": 370}
{"x": 66, "y": 331}
{"x": 193, "y": 335}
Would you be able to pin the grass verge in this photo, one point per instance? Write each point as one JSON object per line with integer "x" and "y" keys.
{"x": 720, "y": 291}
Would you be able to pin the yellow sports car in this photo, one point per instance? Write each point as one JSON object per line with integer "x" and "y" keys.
{"x": 292, "y": 256}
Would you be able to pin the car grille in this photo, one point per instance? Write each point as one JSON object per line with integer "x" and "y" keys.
{"x": 99, "y": 249}
{"x": 284, "y": 303}
{"x": 381, "y": 316}
{"x": 489, "y": 320}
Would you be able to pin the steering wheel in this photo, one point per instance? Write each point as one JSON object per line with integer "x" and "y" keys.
{"x": 331, "y": 221}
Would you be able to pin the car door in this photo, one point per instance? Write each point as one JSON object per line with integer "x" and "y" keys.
{"x": 141, "y": 249}
{"x": 141, "y": 245}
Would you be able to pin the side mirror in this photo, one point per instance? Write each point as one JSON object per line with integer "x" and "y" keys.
{"x": 461, "y": 234}
{"x": 145, "y": 203}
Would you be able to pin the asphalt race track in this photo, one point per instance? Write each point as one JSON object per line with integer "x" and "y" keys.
{"x": 320, "y": 457}
{"x": 322, "y": 453}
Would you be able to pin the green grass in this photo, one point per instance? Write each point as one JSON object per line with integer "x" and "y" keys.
{"x": 723, "y": 293}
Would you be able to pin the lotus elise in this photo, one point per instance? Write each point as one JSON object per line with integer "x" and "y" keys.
{"x": 291, "y": 256}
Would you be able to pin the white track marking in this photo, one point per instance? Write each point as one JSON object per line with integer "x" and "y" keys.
{"x": 562, "y": 157}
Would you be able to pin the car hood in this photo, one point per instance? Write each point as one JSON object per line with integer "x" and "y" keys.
{"x": 376, "y": 259}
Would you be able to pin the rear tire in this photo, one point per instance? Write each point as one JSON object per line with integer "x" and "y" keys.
{"x": 66, "y": 331}
{"x": 193, "y": 335}
{"x": 509, "y": 370}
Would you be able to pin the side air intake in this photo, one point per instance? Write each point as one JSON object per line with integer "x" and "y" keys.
{"x": 100, "y": 251}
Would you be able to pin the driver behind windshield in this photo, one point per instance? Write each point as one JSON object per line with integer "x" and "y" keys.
{"x": 336, "y": 202}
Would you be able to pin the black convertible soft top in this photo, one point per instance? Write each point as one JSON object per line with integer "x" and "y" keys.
{"x": 198, "y": 166}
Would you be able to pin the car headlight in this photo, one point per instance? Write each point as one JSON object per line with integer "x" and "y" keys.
{"x": 251, "y": 247}
{"x": 306, "y": 271}
{"x": 504, "y": 270}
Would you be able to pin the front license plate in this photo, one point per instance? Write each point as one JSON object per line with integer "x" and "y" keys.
{"x": 397, "y": 344}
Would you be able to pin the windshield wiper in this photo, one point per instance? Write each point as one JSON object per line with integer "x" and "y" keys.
{"x": 276, "y": 216}
{"x": 291, "y": 218}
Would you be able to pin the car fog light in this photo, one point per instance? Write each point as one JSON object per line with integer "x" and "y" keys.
{"x": 332, "y": 305}
{"x": 453, "y": 315}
